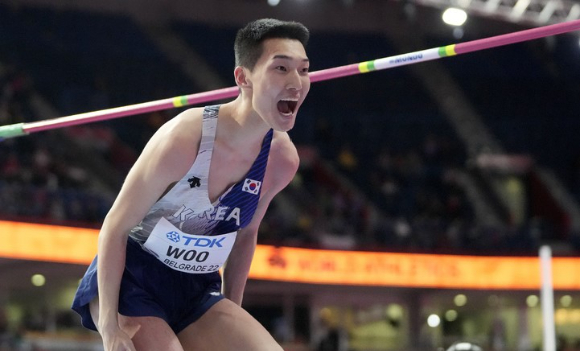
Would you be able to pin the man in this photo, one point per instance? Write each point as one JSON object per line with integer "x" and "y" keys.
{"x": 197, "y": 193}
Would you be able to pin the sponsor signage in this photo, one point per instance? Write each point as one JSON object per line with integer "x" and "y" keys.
{"x": 409, "y": 270}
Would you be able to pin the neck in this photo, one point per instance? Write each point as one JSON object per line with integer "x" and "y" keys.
{"x": 242, "y": 125}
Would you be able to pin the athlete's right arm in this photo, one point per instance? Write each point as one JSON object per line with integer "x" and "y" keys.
{"x": 165, "y": 159}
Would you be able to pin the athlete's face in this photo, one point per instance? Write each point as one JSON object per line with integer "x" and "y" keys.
{"x": 280, "y": 82}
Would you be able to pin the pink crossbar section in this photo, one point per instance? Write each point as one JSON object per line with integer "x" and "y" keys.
{"x": 517, "y": 37}
{"x": 336, "y": 72}
{"x": 129, "y": 110}
{"x": 213, "y": 95}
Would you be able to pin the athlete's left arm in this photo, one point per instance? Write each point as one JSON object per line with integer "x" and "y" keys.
{"x": 282, "y": 166}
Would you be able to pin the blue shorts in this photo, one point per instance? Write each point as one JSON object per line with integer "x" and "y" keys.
{"x": 149, "y": 288}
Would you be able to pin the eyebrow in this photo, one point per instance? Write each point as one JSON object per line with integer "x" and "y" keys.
{"x": 286, "y": 57}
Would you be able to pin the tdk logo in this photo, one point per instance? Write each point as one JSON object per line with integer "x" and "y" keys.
{"x": 203, "y": 242}
{"x": 173, "y": 236}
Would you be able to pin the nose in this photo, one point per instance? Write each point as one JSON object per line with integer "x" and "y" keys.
{"x": 294, "y": 81}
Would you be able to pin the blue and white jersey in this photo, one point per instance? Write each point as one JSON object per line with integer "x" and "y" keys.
{"x": 187, "y": 205}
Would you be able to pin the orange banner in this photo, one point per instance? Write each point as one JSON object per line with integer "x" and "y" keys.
{"x": 41, "y": 242}
{"x": 79, "y": 246}
{"x": 409, "y": 270}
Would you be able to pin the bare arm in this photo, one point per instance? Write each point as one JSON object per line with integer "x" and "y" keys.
{"x": 282, "y": 165}
{"x": 164, "y": 160}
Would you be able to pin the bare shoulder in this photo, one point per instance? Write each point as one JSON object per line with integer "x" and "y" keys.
{"x": 185, "y": 126}
{"x": 180, "y": 135}
{"x": 283, "y": 150}
{"x": 282, "y": 163}
{"x": 173, "y": 148}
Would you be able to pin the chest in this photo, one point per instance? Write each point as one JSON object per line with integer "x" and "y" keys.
{"x": 228, "y": 167}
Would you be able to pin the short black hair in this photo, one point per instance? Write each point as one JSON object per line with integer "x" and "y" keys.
{"x": 248, "y": 45}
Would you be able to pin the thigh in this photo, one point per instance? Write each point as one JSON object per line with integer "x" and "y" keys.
{"x": 226, "y": 326}
{"x": 147, "y": 333}
{"x": 153, "y": 334}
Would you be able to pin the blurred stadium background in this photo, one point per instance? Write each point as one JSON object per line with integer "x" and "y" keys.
{"x": 475, "y": 156}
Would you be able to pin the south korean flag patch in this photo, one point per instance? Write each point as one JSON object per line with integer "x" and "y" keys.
{"x": 252, "y": 186}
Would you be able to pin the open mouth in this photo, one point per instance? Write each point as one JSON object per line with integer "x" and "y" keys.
{"x": 287, "y": 106}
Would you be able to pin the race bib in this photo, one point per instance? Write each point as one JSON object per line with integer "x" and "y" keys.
{"x": 189, "y": 253}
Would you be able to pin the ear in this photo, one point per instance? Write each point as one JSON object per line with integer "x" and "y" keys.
{"x": 241, "y": 77}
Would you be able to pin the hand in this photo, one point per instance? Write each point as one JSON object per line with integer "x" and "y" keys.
{"x": 117, "y": 340}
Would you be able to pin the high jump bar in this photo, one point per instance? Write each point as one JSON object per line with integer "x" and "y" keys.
{"x": 20, "y": 129}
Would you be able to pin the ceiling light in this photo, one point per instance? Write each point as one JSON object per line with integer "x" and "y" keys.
{"x": 454, "y": 16}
